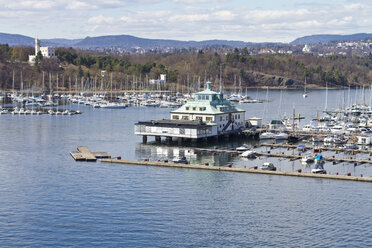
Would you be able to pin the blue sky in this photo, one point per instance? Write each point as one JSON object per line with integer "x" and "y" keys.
{"x": 257, "y": 21}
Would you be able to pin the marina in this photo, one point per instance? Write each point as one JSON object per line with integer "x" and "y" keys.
{"x": 67, "y": 191}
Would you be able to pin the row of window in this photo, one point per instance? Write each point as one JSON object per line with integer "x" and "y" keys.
{"x": 195, "y": 108}
{"x": 236, "y": 117}
{"x": 186, "y": 117}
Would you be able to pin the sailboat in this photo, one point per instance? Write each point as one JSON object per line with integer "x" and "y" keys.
{"x": 304, "y": 95}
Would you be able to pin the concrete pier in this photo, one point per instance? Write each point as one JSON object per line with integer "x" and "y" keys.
{"x": 241, "y": 170}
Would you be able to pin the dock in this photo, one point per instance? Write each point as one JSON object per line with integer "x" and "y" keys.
{"x": 239, "y": 170}
{"x": 334, "y": 149}
{"x": 84, "y": 154}
{"x": 289, "y": 156}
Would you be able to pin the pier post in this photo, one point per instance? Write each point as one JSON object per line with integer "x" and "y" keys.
{"x": 168, "y": 139}
{"x": 144, "y": 139}
{"x": 157, "y": 138}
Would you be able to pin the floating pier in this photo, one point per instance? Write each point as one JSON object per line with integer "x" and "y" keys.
{"x": 84, "y": 154}
{"x": 289, "y": 156}
{"x": 334, "y": 149}
{"x": 241, "y": 170}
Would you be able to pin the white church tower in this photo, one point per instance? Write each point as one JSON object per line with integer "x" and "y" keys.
{"x": 47, "y": 52}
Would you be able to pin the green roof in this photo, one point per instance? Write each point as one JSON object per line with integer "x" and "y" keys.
{"x": 208, "y": 102}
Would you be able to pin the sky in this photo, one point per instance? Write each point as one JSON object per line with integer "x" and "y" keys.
{"x": 251, "y": 21}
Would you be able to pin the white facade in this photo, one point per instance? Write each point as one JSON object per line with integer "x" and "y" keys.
{"x": 47, "y": 52}
{"x": 162, "y": 80}
{"x": 210, "y": 107}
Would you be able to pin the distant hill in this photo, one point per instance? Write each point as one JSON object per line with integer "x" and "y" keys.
{"x": 325, "y": 38}
{"x": 16, "y": 40}
{"x": 60, "y": 42}
{"x": 132, "y": 41}
{"x": 125, "y": 41}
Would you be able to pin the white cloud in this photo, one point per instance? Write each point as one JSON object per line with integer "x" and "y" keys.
{"x": 181, "y": 19}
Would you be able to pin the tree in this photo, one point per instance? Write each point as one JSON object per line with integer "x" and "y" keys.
{"x": 38, "y": 59}
{"x": 80, "y": 71}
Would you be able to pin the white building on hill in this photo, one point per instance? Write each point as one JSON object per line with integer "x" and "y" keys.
{"x": 47, "y": 52}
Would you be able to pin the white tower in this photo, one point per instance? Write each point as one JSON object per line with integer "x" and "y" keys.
{"x": 37, "y": 46}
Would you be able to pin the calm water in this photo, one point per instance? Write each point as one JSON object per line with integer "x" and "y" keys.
{"x": 47, "y": 199}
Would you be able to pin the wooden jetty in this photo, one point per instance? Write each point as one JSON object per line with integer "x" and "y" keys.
{"x": 241, "y": 170}
{"x": 84, "y": 154}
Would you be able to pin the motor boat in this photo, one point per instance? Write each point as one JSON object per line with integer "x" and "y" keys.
{"x": 180, "y": 160}
{"x": 268, "y": 166}
{"x": 267, "y": 135}
{"x": 281, "y": 136}
{"x": 243, "y": 148}
{"x": 319, "y": 169}
{"x": 248, "y": 154}
{"x": 307, "y": 159}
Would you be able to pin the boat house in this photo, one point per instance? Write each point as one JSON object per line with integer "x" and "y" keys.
{"x": 207, "y": 115}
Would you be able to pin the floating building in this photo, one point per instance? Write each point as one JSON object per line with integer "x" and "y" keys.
{"x": 47, "y": 52}
{"x": 207, "y": 115}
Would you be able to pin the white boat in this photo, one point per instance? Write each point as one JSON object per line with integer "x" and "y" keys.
{"x": 248, "y": 154}
{"x": 267, "y": 135}
{"x": 281, "y": 136}
{"x": 180, "y": 160}
{"x": 113, "y": 105}
{"x": 268, "y": 166}
{"x": 319, "y": 169}
{"x": 243, "y": 148}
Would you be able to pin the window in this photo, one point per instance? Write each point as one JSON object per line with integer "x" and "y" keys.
{"x": 221, "y": 118}
{"x": 185, "y": 118}
{"x": 201, "y": 109}
{"x": 208, "y": 118}
{"x": 176, "y": 117}
{"x": 194, "y": 108}
{"x": 199, "y": 118}
{"x": 187, "y": 108}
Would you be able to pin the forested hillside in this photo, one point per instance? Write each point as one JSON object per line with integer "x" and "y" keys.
{"x": 187, "y": 68}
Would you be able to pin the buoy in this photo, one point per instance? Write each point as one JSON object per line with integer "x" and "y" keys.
{"x": 336, "y": 173}
{"x": 255, "y": 167}
{"x": 299, "y": 170}
{"x": 333, "y": 156}
{"x": 231, "y": 155}
{"x": 334, "y": 162}
{"x": 283, "y": 153}
{"x": 118, "y": 158}
{"x": 245, "y": 166}
{"x": 206, "y": 164}
{"x": 287, "y": 148}
{"x": 355, "y": 164}
{"x": 219, "y": 154}
{"x": 361, "y": 175}
{"x": 348, "y": 174}
{"x": 214, "y": 154}
{"x": 268, "y": 152}
{"x": 254, "y": 146}
{"x": 336, "y": 152}
{"x": 146, "y": 159}
{"x": 229, "y": 165}
{"x": 194, "y": 152}
{"x": 271, "y": 147}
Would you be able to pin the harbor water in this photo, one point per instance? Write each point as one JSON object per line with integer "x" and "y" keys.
{"x": 49, "y": 200}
